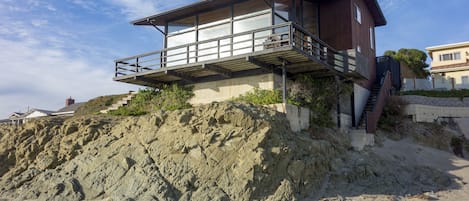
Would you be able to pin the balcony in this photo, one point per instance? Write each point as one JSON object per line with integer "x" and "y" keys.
{"x": 265, "y": 50}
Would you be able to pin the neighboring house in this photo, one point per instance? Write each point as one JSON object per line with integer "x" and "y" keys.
{"x": 35, "y": 113}
{"x": 69, "y": 109}
{"x": 450, "y": 65}
{"x": 18, "y": 118}
{"x": 225, "y": 48}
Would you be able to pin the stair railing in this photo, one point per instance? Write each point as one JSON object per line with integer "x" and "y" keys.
{"x": 384, "y": 93}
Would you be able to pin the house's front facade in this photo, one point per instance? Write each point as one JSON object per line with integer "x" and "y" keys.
{"x": 225, "y": 48}
{"x": 450, "y": 65}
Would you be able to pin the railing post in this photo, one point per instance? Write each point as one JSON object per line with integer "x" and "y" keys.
{"x": 253, "y": 41}
{"x": 188, "y": 53}
{"x": 136, "y": 65}
{"x": 345, "y": 61}
{"x": 218, "y": 48}
{"x": 291, "y": 35}
{"x": 115, "y": 73}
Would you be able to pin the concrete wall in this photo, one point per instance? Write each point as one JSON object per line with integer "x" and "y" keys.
{"x": 297, "y": 116}
{"x": 428, "y": 109}
{"x": 427, "y": 113}
{"x": 361, "y": 95}
{"x": 227, "y": 89}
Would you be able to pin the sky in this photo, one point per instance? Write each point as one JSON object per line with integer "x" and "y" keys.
{"x": 54, "y": 49}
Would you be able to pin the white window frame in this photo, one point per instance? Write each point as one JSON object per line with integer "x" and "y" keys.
{"x": 372, "y": 38}
{"x": 357, "y": 14}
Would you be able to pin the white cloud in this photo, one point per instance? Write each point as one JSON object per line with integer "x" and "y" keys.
{"x": 39, "y": 22}
{"x": 43, "y": 77}
{"x": 136, "y": 8}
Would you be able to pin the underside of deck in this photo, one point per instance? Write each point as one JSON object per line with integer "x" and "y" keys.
{"x": 261, "y": 62}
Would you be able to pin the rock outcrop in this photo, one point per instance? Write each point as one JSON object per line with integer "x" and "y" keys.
{"x": 221, "y": 151}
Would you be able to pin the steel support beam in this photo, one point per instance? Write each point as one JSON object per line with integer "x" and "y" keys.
{"x": 217, "y": 69}
{"x": 266, "y": 66}
{"x": 183, "y": 76}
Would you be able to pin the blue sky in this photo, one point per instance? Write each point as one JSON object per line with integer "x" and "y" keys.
{"x": 53, "y": 49}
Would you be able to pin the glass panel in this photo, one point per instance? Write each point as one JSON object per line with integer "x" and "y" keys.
{"x": 242, "y": 44}
{"x": 214, "y": 17}
{"x": 249, "y": 24}
{"x": 181, "y": 25}
{"x": 457, "y": 55}
{"x": 214, "y": 32}
{"x": 251, "y": 7}
{"x": 179, "y": 56}
{"x": 283, "y": 8}
{"x": 181, "y": 39}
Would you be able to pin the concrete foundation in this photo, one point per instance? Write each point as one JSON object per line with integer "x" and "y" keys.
{"x": 297, "y": 116}
{"x": 360, "y": 139}
{"x": 223, "y": 90}
{"x": 428, "y": 113}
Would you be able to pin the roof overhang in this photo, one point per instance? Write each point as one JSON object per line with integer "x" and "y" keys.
{"x": 188, "y": 10}
{"x": 376, "y": 12}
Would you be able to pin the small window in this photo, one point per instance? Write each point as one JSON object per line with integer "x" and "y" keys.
{"x": 457, "y": 55}
{"x": 465, "y": 80}
{"x": 358, "y": 14}
{"x": 372, "y": 38}
{"x": 450, "y": 56}
{"x": 446, "y": 57}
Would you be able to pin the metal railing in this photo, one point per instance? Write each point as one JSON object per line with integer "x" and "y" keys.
{"x": 384, "y": 93}
{"x": 276, "y": 36}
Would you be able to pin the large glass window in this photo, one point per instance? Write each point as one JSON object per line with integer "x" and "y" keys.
{"x": 310, "y": 17}
{"x": 211, "y": 18}
{"x": 181, "y": 25}
{"x": 252, "y": 23}
{"x": 250, "y": 8}
{"x": 283, "y": 8}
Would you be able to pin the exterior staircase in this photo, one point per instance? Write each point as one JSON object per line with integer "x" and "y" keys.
{"x": 120, "y": 103}
{"x": 370, "y": 104}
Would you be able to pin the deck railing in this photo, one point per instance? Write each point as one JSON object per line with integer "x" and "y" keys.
{"x": 276, "y": 36}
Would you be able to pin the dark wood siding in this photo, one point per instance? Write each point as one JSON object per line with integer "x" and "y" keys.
{"x": 339, "y": 29}
{"x": 361, "y": 37}
{"x": 335, "y": 23}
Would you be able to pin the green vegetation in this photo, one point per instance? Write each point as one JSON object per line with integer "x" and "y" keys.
{"x": 169, "y": 97}
{"x": 319, "y": 95}
{"x": 415, "y": 59}
{"x": 261, "y": 97}
{"x": 393, "y": 115}
{"x": 100, "y": 103}
{"x": 443, "y": 94}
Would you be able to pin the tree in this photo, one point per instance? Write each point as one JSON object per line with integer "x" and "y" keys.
{"x": 415, "y": 59}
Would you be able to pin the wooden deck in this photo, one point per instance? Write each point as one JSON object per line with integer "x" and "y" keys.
{"x": 298, "y": 51}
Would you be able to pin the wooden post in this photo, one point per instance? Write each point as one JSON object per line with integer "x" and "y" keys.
{"x": 338, "y": 88}
{"x": 284, "y": 82}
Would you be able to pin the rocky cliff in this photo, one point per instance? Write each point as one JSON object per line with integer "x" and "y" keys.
{"x": 221, "y": 151}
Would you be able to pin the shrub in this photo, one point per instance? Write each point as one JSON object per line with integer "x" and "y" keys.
{"x": 261, "y": 97}
{"x": 169, "y": 97}
{"x": 443, "y": 94}
{"x": 393, "y": 114}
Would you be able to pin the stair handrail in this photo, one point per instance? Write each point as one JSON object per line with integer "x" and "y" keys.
{"x": 384, "y": 92}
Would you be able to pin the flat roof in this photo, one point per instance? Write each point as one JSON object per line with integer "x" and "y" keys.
{"x": 448, "y": 46}
{"x": 160, "y": 19}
